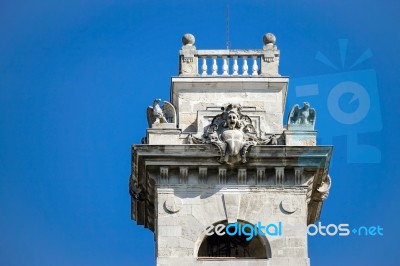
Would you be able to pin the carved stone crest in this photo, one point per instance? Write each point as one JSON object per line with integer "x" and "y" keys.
{"x": 233, "y": 133}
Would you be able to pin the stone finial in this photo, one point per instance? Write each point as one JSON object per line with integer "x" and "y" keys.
{"x": 188, "y": 63}
{"x": 270, "y": 58}
{"x": 269, "y": 38}
{"x": 188, "y": 39}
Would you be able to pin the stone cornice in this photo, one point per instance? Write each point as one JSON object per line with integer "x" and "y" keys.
{"x": 151, "y": 163}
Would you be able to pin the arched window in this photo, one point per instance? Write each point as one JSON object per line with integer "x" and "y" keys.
{"x": 235, "y": 246}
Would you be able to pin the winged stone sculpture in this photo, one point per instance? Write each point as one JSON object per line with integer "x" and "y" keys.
{"x": 302, "y": 117}
{"x": 164, "y": 114}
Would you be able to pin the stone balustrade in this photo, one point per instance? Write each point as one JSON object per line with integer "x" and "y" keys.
{"x": 229, "y": 63}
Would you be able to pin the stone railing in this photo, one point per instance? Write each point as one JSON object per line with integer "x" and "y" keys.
{"x": 229, "y": 63}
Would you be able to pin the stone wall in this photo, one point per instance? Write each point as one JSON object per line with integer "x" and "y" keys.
{"x": 183, "y": 213}
{"x": 191, "y": 96}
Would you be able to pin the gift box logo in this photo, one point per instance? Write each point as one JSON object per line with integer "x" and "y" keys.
{"x": 347, "y": 104}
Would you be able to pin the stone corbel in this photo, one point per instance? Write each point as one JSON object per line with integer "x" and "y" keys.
{"x": 298, "y": 175}
{"x": 163, "y": 178}
{"x": 279, "y": 175}
{"x": 202, "y": 175}
{"x": 222, "y": 175}
{"x": 260, "y": 175}
{"x": 183, "y": 174}
{"x": 242, "y": 176}
{"x": 323, "y": 189}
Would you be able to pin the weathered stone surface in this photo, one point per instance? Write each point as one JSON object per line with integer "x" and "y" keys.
{"x": 163, "y": 136}
{"x": 300, "y": 138}
{"x": 193, "y": 95}
{"x": 231, "y": 204}
{"x": 243, "y": 204}
{"x": 170, "y": 230}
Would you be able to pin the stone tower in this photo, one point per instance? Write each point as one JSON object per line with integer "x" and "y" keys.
{"x": 219, "y": 178}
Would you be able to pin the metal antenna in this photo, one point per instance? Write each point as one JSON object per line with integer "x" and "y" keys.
{"x": 228, "y": 42}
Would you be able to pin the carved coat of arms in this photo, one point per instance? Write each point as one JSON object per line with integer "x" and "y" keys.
{"x": 233, "y": 133}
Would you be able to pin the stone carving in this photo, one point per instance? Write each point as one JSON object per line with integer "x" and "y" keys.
{"x": 273, "y": 140}
{"x": 173, "y": 204}
{"x": 156, "y": 115}
{"x": 135, "y": 190}
{"x": 324, "y": 188}
{"x": 301, "y": 118}
{"x": 289, "y": 205}
{"x": 232, "y": 132}
{"x": 322, "y": 191}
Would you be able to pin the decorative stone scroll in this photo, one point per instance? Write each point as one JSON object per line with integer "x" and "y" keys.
{"x": 324, "y": 188}
{"x": 135, "y": 190}
{"x": 322, "y": 191}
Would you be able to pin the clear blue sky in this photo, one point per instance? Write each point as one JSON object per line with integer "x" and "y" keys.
{"x": 77, "y": 76}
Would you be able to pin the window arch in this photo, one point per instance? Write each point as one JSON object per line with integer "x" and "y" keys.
{"x": 235, "y": 246}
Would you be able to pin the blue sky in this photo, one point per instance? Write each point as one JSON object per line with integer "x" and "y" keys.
{"x": 77, "y": 76}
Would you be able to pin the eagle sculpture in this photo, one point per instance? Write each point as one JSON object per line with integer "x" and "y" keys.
{"x": 302, "y": 116}
{"x": 157, "y": 114}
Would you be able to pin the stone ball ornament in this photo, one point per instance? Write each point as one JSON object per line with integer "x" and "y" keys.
{"x": 269, "y": 38}
{"x": 289, "y": 205}
{"x": 173, "y": 204}
{"x": 188, "y": 39}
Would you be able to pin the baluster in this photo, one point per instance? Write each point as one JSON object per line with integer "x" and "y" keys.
{"x": 235, "y": 66}
{"x": 204, "y": 66}
{"x": 225, "y": 66}
{"x": 245, "y": 67}
{"x": 255, "y": 66}
{"x": 214, "y": 66}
